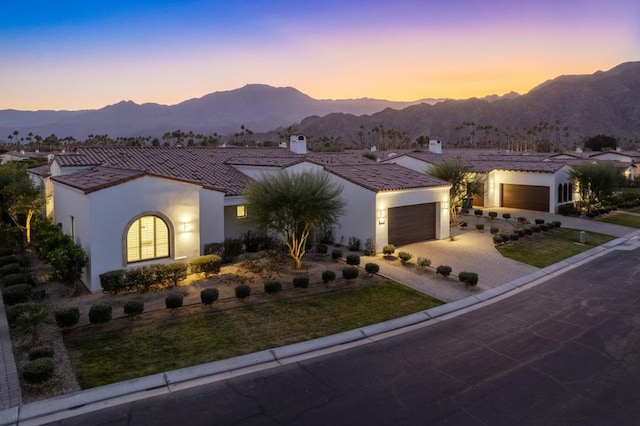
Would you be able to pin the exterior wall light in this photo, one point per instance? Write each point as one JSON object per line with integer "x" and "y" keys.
{"x": 185, "y": 226}
{"x": 445, "y": 205}
{"x": 381, "y": 216}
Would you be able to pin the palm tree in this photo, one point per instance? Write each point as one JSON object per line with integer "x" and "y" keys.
{"x": 31, "y": 322}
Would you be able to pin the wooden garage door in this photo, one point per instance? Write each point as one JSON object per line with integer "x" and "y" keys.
{"x": 410, "y": 224}
{"x": 528, "y": 197}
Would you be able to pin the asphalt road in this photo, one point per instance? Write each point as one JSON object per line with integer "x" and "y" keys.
{"x": 565, "y": 352}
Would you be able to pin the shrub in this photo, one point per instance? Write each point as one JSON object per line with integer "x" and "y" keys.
{"x": 134, "y": 307}
{"x": 480, "y": 226}
{"x": 174, "y": 273}
{"x": 591, "y": 215}
{"x": 478, "y": 212}
{"x": 10, "y": 268}
{"x": 494, "y": 230}
{"x": 67, "y": 317}
{"x": 468, "y": 278}
{"x": 251, "y": 242}
{"x": 328, "y": 276}
{"x": 207, "y": 264}
{"x": 522, "y": 220}
{"x": 322, "y": 248}
{"x": 273, "y": 287}
{"x": 139, "y": 279}
{"x": 242, "y": 291}
{"x": 388, "y": 250}
{"x": 372, "y": 268}
{"x": 13, "y": 279}
{"x": 19, "y": 293}
{"x": 506, "y": 216}
{"x": 99, "y": 314}
{"x": 497, "y": 239}
{"x": 6, "y": 251}
{"x": 8, "y": 259}
{"x": 492, "y": 215}
{"x": 535, "y": 228}
{"x": 528, "y": 231}
{"x": 423, "y": 262}
{"x": 210, "y": 295}
{"x": 557, "y": 223}
{"x": 112, "y": 281}
{"x": 301, "y": 281}
{"x": 233, "y": 247}
{"x": 404, "y": 256}
{"x": 538, "y": 221}
{"x": 353, "y": 259}
{"x": 568, "y": 210}
{"x": 354, "y": 244}
{"x": 514, "y": 237}
{"x": 173, "y": 300}
{"x": 350, "y": 272}
{"x": 38, "y": 371}
{"x": 519, "y": 232}
{"x": 370, "y": 247}
{"x": 443, "y": 270}
{"x": 14, "y": 311}
{"x": 336, "y": 254}
{"x": 43, "y": 351}
{"x": 544, "y": 227}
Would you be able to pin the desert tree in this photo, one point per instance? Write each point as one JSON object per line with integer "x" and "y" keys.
{"x": 595, "y": 180}
{"x": 20, "y": 200}
{"x": 464, "y": 182}
{"x": 294, "y": 204}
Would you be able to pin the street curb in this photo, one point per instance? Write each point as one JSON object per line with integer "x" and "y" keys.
{"x": 162, "y": 382}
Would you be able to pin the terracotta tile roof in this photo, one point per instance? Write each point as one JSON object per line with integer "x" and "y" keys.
{"x": 484, "y": 166}
{"x": 42, "y": 171}
{"x": 379, "y": 177}
{"x": 97, "y": 178}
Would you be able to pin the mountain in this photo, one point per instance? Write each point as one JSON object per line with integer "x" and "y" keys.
{"x": 560, "y": 112}
{"x": 258, "y": 107}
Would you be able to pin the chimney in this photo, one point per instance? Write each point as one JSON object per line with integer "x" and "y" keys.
{"x": 435, "y": 146}
{"x": 578, "y": 150}
{"x": 298, "y": 144}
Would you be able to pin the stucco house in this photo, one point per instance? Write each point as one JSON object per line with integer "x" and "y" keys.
{"x": 129, "y": 206}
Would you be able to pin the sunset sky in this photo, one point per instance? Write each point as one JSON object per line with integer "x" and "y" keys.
{"x": 87, "y": 54}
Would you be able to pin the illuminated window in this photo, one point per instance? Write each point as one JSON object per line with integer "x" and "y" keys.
{"x": 241, "y": 211}
{"x": 147, "y": 238}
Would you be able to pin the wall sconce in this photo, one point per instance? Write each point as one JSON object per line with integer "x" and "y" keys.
{"x": 185, "y": 226}
{"x": 445, "y": 205}
{"x": 381, "y": 216}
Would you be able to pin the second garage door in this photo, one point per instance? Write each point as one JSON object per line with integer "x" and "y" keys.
{"x": 411, "y": 224}
{"x": 528, "y": 197}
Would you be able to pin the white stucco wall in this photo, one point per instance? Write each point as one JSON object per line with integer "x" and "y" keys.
{"x": 411, "y": 163}
{"x": 212, "y": 221}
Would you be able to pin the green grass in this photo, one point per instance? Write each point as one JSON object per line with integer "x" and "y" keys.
{"x": 622, "y": 219}
{"x": 108, "y": 357}
{"x": 545, "y": 249}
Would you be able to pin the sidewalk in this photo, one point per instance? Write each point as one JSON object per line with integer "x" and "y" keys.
{"x": 10, "y": 394}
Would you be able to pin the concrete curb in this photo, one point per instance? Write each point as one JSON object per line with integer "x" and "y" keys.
{"x": 68, "y": 405}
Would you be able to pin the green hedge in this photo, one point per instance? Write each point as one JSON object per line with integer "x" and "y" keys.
{"x": 99, "y": 314}
{"x": 156, "y": 276}
{"x": 19, "y": 293}
{"x": 38, "y": 371}
{"x": 301, "y": 281}
{"x": 328, "y": 276}
{"x": 209, "y": 295}
{"x": 468, "y": 278}
{"x": 372, "y": 268}
{"x": 67, "y": 317}
{"x": 44, "y": 351}
{"x": 14, "y": 311}
{"x": 173, "y": 300}
{"x": 207, "y": 264}
{"x": 272, "y": 287}
{"x": 133, "y": 307}
{"x": 350, "y": 272}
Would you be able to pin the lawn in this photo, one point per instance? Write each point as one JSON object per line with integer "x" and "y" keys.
{"x": 546, "y": 249}
{"x": 101, "y": 358}
{"x": 622, "y": 219}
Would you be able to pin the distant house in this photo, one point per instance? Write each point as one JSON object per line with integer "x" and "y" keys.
{"x": 129, "y": 207}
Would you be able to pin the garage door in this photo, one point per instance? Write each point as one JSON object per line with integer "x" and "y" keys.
{"x": 528, "y": 197}
{"x": 410, "y": 224}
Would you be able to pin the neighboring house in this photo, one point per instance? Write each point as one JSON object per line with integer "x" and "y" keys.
{"x": 129, "y": 206}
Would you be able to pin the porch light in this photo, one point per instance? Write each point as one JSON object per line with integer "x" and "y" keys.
{"x": 445, "y": 205}
{"x": 185, "y": 226}
{"x": 381, "y": 216}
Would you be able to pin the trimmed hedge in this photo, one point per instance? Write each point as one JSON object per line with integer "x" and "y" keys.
{"x": 100, "y": 313}
{"x": 301, "y": 281}
{"x": 67, "y": 317}
{"x": 173, "y": 300}
{"x": 242, "y": 291}
{"x": 372, "y": 268}
{"x": 273, "y": 287}
{"x": 328, "y": 276}
{"x": 207, "y": 264}
{"x": 538, "y": 221}
{"x": 468, "y": 278}
{"x": 494, "y": 230}
{"x": 350, "y": 272}
{"x": 336, "y": 254}
{"x": 10, "y": 268}
{"x": 480, "y": 226}
{"x": 143, "y": 279}
{"x": 38, "y": 371}
{"x": 14, "y": 279}
{"x": 6, "y": 260}
{"x": 353, "y": 259}
{"x": 44, "y": 351}
{"x": 19, "y": 293}
{"x": 133, "y": 307}
{"x": 444, "y": 270}
{"x": 506, "y": 216}
{"x": 209, "y": 295}
{"x": 492, "y": 215}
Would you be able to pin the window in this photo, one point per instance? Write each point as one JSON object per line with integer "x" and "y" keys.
{"x": 73, "y": 229}
{"x": 147, "y": 238}
{"x": 241, "y": 211}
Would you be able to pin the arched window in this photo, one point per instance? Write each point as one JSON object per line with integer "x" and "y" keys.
{"x": 565, "y": 188}
{"x": 560, "y": 193}
{"x": 147, "y": 238}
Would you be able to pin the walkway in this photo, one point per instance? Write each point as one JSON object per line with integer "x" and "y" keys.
{"x": 10, "y": 395}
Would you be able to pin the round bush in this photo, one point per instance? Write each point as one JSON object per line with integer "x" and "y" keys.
{"x": 99, "y": 314}
{"x": 528, "y": 231}
{"x": 494, "y": 230}
{"x": 67, "y": 317}
{"x": 322, "y": 248}
{"x": 336, "y": 254}
{"x": 173, "y": 300}
{"x": 134, "y": 307}
{"x": 443, "y": 270}
{"x": 19, "y": 293}
{"x": 535, "y": 228}
{"x": 6, "y": 260}
{"x": 328, "y": 276}
{"x": 468, "y": 278}
{"x": 538, "y": 221}
{"x": 388, "y": 250}
{"x": 209, "y": 295}
{"x": 44, "y": 351}
{"x": 349, "y": 272}
{"x": 506, "y": 216}
{"x": 404, "y": 256}
{"x": 14, "y": 279}
{"x": 557, "y": 223}
{"x": 544, "y": 227}
{"x": 273, "y": 287}
{"x": 492, "y": 215}
{"x": 372, "y": 268}
{"x": 497, "y": 239}
{"x": 478, "y": 212}
{"x": 513, "y": 237}
{"x": 353, "y": 259}
{"x": 38, "y": 371}
{"x": 301, "y": 281}
{"x": 243, "y": 291}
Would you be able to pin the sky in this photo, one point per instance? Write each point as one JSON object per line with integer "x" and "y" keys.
{"x": 85, "y": 54}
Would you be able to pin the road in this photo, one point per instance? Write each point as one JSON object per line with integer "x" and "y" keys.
{"x": 563, "y": 352}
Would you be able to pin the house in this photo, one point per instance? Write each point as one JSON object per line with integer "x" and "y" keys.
{"x": 131, "y": 206}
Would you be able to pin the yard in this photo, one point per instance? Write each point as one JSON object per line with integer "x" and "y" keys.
{"x": 619, "y": 218}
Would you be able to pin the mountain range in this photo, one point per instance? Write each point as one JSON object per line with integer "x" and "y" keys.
{"x": 569, "y": 107}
